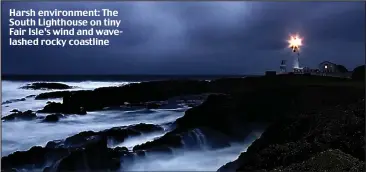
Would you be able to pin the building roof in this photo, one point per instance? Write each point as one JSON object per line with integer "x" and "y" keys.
{"x": 327, "y": 62}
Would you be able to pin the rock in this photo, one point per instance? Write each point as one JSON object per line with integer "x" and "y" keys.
{"x": 94, "y": 156}
{"x": 330, "y": 160}
{"x": 52, "y": 95}
{"x": 36, "y": 157}
{"x": 53, "y": 107}
{"x": 156, "y": 91}
{"x": 13, "y": 101}
{"x": 30, "y": 96}
{"x": 133, "y": 93}
{"x": 121, "y": 149}
{"x": 26, "y": 115}
{"x": 118, "y": 134}
{"x": 15, "y": 110}
{"x": 84, "y": 151}
{"x": 46, "y": 85}
{"x": 162, "y": 144}
{"x": 297, "y": 138}
{"x": 53, "y": 118}
{"x": 292, "y": 104}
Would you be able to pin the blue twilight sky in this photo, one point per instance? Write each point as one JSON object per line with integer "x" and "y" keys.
{"x": 199, "y": 38}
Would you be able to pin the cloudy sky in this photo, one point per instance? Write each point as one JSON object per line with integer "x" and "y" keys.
{"x": 200, "y": 38}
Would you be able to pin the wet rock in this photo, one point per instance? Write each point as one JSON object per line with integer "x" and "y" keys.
{"x": 118, "y": 134}
{"x": 81, "y": 152}
{"x": 13, "y": 101}
{"x": 15, "y": 110}
{"x": 18, "y": 115}
{"x": 121, "y": 149}
{"x": 46, "y": 85}
{"x": 95, "y": 157}
{"x": 54, "y": 107}
{"x": 52, "y": 95}
{"x": 30, "y": 96}
{"x": 162, "y": 144}
{"x": 53, "y": 118}
{"x": 36, "y": 157}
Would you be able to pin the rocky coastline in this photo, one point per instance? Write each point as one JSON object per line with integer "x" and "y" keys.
{"x": 308, "y": 118}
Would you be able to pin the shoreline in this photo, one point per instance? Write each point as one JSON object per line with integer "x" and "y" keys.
{"x": 232, "y": 105}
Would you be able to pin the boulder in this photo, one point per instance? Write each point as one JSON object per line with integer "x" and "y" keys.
{"x": 53, "y": 118}
{"x": 26, "y": 115}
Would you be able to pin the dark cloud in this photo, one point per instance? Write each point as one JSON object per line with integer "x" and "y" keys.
{"x": 200, "y": 38}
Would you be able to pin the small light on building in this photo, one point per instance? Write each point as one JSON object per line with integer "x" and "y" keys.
{"x": 326, "y": 67}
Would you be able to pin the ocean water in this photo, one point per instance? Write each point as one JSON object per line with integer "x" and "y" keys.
{"x": 22, "y": 135}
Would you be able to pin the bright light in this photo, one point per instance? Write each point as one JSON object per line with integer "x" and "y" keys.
{"x": 295, "y": 42}
{"x": 326, "y": 67}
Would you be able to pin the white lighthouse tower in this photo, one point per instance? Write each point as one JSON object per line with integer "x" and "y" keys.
{"x": 294, "y": 43}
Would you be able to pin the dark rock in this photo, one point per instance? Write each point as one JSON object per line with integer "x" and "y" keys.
{"x": 52, "y": 95}
{"x": 15, "y": 110}
{"x": 26, "y": 115}
{"x": 281, "y": 100}
{"x": 162, "y": 144}
{"x": 30, "y": 96}
{"x": 121, "y": 149}
{"x": 53, "y": 117}
{"x": 45, "y": 85}
{"x": 298, "y": 138}
{"x": 54, "y": 107}
{"x": 81, "y": 152}
{"x": 156, "y": 91}
{"x": 142, "y": 127}
{"x": 133, "y": 93}
{"x": 36, "y": 157}
{"x": 94, "y": 157}
{"x": 13, "y": 101}
{"x": 232, "y": 115}
{"x": 330, "y": 160}
{"x": 118, "y": 134}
